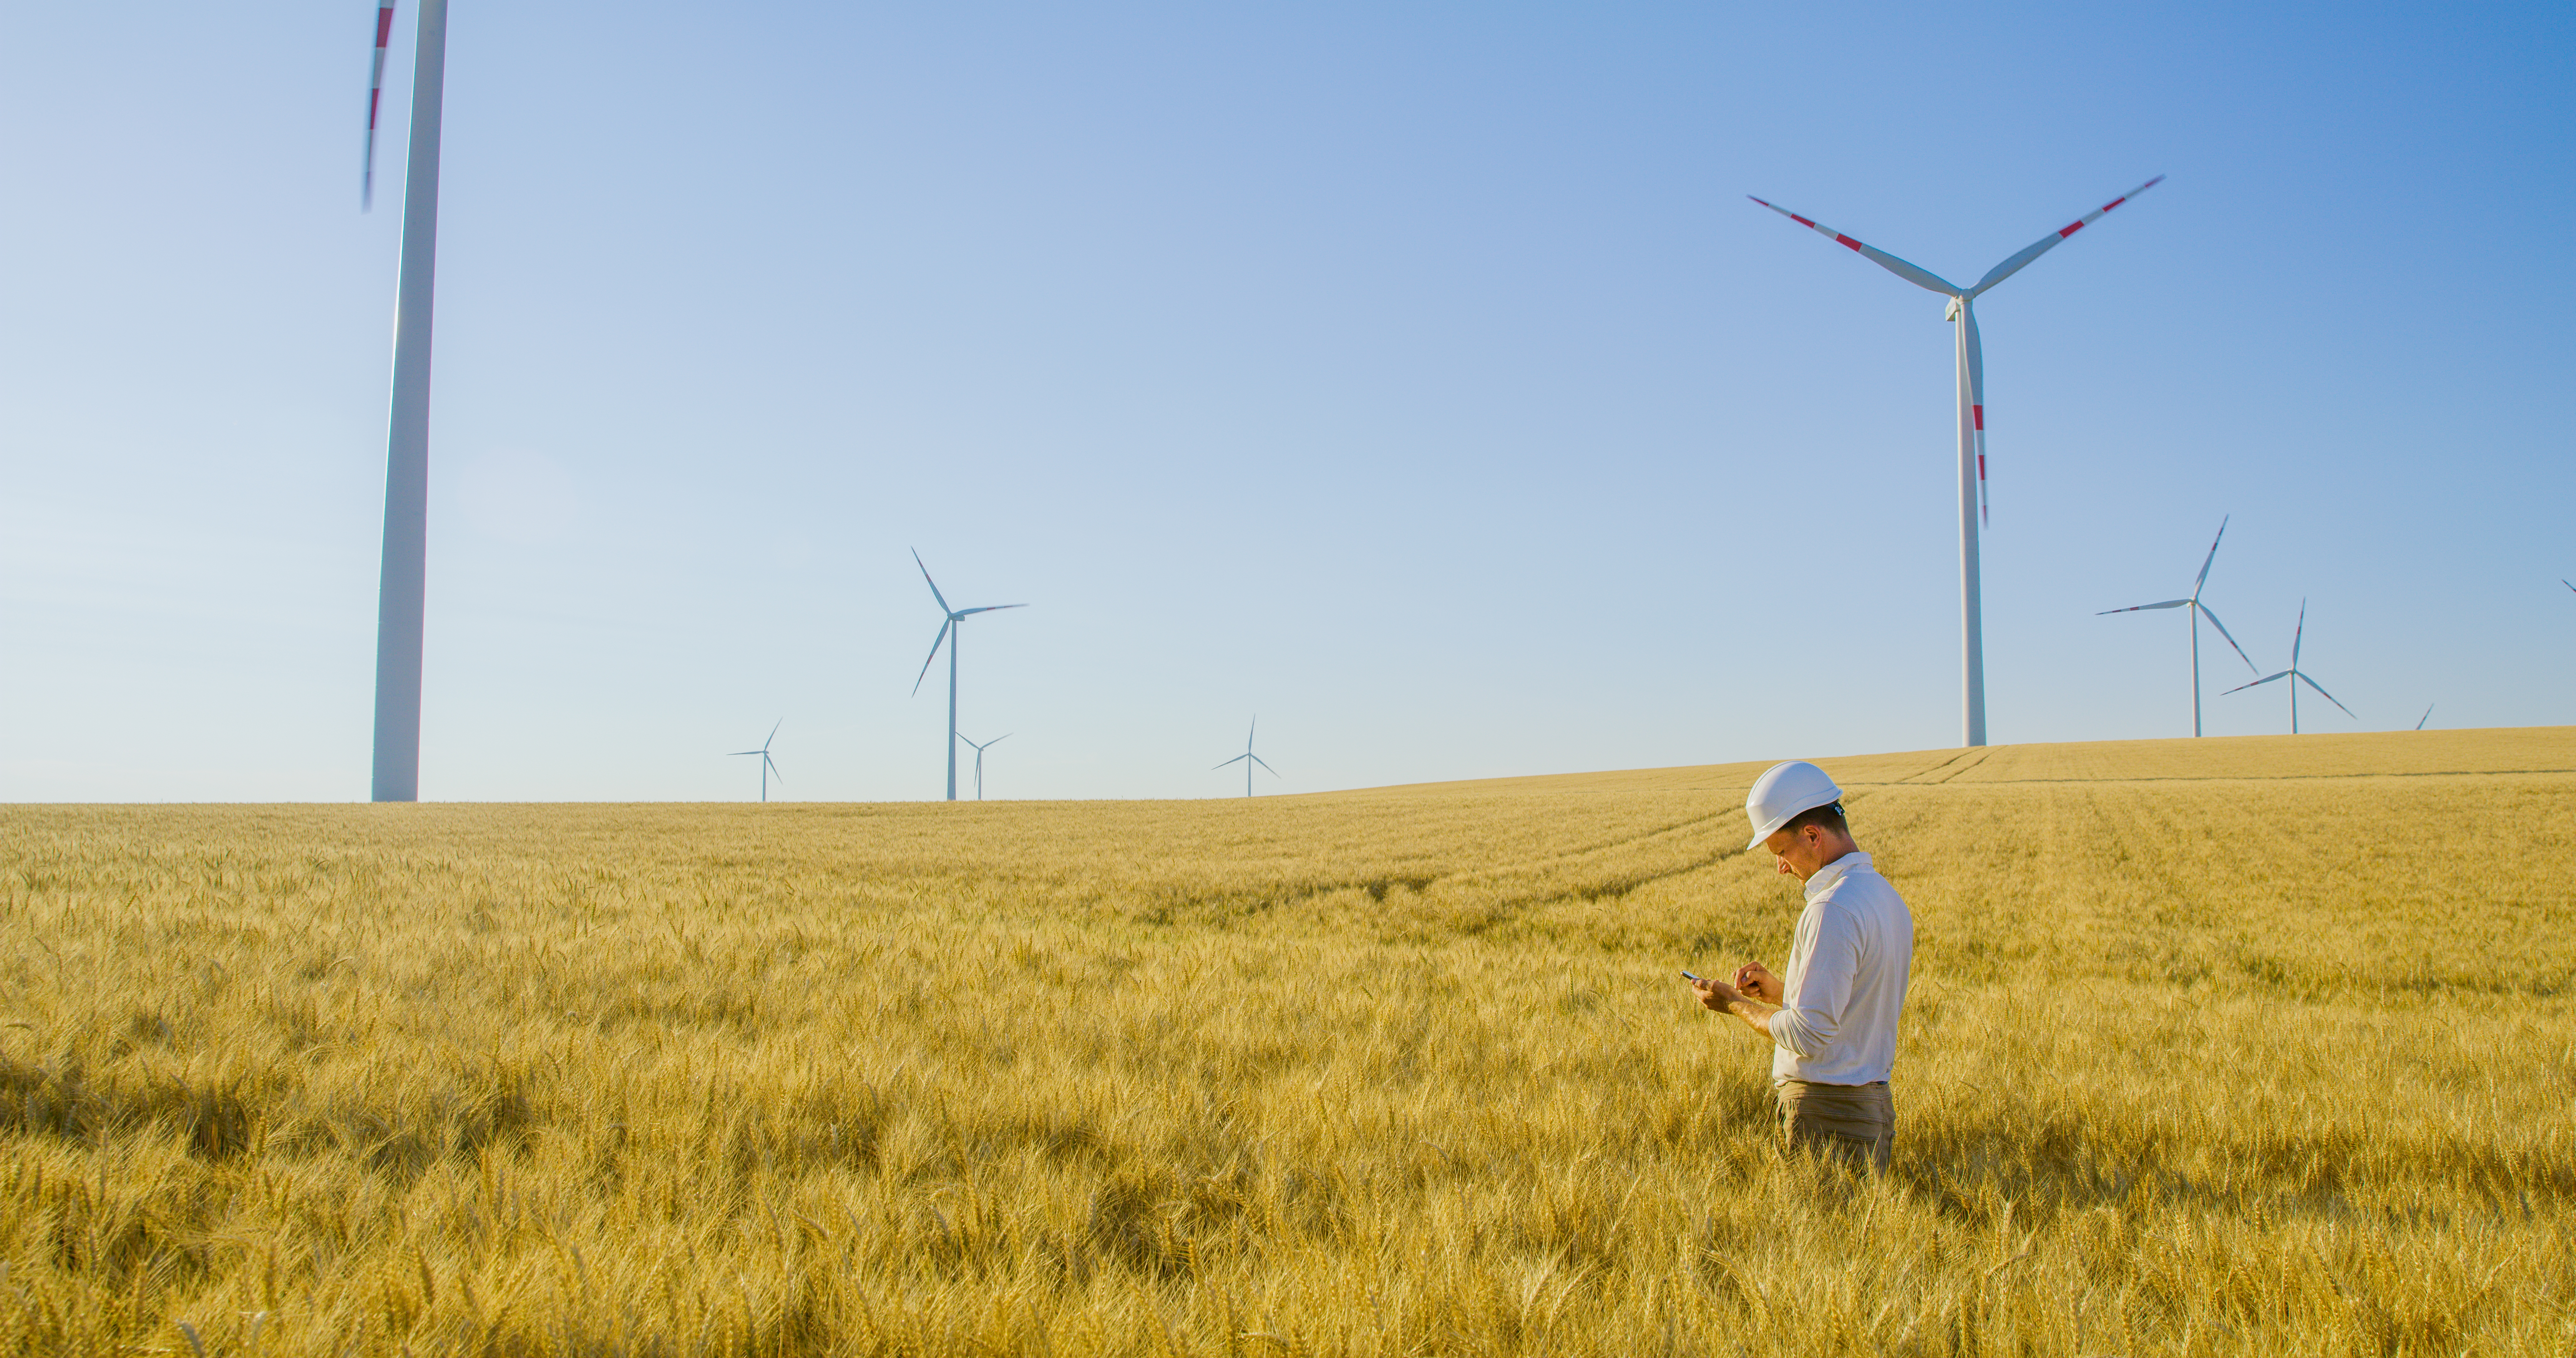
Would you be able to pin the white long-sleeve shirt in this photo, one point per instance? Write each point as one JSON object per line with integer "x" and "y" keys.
{"x": 1846, "y": 980}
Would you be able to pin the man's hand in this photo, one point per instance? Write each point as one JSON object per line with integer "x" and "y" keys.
{"x": 1756, "y": 980}
{"x": 1719, "y": 997}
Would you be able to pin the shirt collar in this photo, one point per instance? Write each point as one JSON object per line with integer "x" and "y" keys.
{"x": 1833, "y": 872}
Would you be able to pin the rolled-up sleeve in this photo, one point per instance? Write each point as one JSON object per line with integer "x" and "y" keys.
{"x": 1807, "y": 1025}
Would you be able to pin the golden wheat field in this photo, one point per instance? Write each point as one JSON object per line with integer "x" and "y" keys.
{"x": 2246, "y": 1046}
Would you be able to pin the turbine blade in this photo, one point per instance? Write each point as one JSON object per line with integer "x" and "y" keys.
{"x": 375, "y": 98}
{"x": 944, "y": 625}
{"x": 2300, "y": 635}
{"x": 2304, "y": 679}
{"x": 1265, "y": 764}
{"x": 732, "y": 754}
{"x": 2142, "y": 608}
{"x": 2213, "y": 556}
{"x": 2428, "y": 716}
{"x": 934, "y": 585}
{"x": 999, "y": 739}
{"x": 1249, "y": 732}
{"x": 2049, "y": 242}
{"x": 773, "y": 768}
{"x": 1921, "y": 278}
{"x": 1236, "y": 760}
{"x": 773, "y": 732}
{"x": 1976, "y": 398}
{"x": 2256, "y": 684}
{"x": 988, "y": 608}
{"x": 2203, "y": 610}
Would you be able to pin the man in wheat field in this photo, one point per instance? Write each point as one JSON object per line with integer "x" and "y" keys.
{"x": 1832, "y": 1020}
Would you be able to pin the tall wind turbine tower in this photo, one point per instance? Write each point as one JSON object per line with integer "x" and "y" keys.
{"x": 1248, "y": 758}
{"x": 2298, "y": 676}
{"x": 980, "y": 748}
{"x": 949, "y": 632}
{"x": 768, "y": 765}
{"x": 1972, "y": 427}
{"x": 2199, "y": 611}
{"x": 403, "y": 583}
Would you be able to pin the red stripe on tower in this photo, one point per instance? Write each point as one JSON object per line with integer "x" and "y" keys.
{"x": 1981, "y": 428}
{"x": 372, "y": 97}
{"x": 1981, "y": 475}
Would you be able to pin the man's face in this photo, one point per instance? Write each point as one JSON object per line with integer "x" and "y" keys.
{"x": 1800, "y": 852}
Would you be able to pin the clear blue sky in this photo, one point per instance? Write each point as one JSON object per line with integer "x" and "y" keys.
{"x": 1416, "y": 376}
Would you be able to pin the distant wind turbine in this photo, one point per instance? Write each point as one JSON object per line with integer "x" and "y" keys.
{"x": 1972, "y": 426}
{"x": 402, "y": 581}
{"x": 1249, "y": 755}
{"x": 2199, "y": 610}
{"x": 2428, "y": 716}
{"x": 979, "y": 759}
{"x": 2297, "y": 676}
{"x": 949, "y": 631}
{"x": 768, "y": 766}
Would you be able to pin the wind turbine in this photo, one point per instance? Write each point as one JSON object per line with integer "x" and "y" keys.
{"x": 1249, "y": 755}
{"x": 979, "y": 759}
{"x": 402, "y": 581}
{"x": 948, "y": 629}
{"x": 1972, "y": 426}
{"x": 768, "y": 766}
{"x": 2199, "y": 610}
{"x": 2428, "y": 716}
{"x": 2298, "y": 676}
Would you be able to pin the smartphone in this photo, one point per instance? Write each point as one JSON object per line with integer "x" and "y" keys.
{"x": 1689, "y": 977}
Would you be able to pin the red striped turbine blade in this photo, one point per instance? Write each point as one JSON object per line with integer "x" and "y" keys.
{"x": 2049, "y": 242}
{"x": 1919, "y": 277}
{"x": 1977, "y": 403}
{"x": 375, "y": 99}
{"x": 2095, "y": 215}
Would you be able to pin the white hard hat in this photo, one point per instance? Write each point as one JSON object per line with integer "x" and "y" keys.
{"x": 1782, "y": 792}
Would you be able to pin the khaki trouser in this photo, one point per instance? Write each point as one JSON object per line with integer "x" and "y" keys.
{"x": 1854, "y": 1124}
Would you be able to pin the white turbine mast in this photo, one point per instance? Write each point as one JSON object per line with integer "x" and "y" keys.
{"x": 402, "y": 582}
{"x": 768, "y": 766}
{"x": 2298, "y": 676}
{"x": 1972, "y": 426}
{"x": 979, "y": 758}
{"x": 949, "y": 632}
{"x": 2199, "y": 610}
{"x": 1249, "y": 755}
